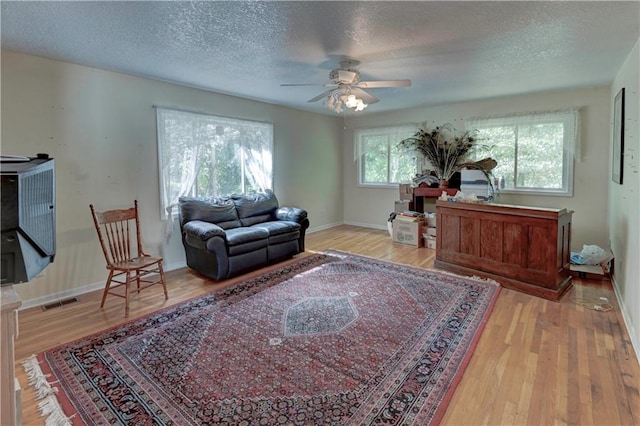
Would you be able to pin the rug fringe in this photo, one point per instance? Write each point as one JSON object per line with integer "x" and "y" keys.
{"x": 49, "y": 406}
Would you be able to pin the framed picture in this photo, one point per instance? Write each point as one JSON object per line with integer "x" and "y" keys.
{"x": 618, "y": 137}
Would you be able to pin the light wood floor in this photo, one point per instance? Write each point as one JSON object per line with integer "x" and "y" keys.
{"x": 536, "y": 363}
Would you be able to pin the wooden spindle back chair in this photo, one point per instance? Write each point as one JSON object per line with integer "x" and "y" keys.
{"x": 119, "y": 235}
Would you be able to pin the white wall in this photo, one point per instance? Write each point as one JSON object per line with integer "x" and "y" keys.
{"x": 371, "y": 206}
{"x": 624, "y": 200}
{"x": 100, "y": 127}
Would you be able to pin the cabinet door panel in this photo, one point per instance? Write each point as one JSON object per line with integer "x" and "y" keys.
{"x": 491, "y": 240}
{"x": 516, "y": 241}
{"x": 470, "y": 233}
{"x": 449, "y": 235}
{"x": 539, "y": 246}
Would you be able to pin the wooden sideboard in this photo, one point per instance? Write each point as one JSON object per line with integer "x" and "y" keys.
{"x": 523, "y": 248}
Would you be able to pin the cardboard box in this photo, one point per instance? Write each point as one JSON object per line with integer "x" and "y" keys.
{"x": 429, "y": 205}
{"x": 406, "y": 191}
{"x": 602, "y": 271}
{"x": 401, "y": 206}
{"x": 430, "y": 242}
{"x": 431, "y": 219}
{"x": 592, "y": 272}
{"x": 409, "y": 233}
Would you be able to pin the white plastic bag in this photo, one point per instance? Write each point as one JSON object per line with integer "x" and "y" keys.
{"x": 592, "y": 254}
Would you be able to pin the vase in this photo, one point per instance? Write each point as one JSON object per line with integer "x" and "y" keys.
{"x": 443, "y": 183}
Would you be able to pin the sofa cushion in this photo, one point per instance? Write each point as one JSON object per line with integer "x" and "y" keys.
{"x": 249, "y": 221}
{"x": 218, "y": 210}
{"x": 282, "y": 238}
{"x": 253, "y": 246}
{"x": 280, "y": 231}
{"x": 278, "y": 227}
{"x": 244, "y": 240}
{"x": 261, "y": 206}
{"x": 243, "y": 235}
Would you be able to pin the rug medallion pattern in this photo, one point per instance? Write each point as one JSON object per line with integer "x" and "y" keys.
{"x": 332, "y": 338}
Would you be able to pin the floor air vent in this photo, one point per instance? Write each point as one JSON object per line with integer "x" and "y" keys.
{"x": 59, "y": 303}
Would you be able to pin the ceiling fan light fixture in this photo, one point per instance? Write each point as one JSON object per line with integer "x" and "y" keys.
{"x": 360, "y": 105}
{"x": 347, "y": 86}
{"x": 334, "y": 102}
{"x": 352, "y": 101}
{"x": 338, "y": 99}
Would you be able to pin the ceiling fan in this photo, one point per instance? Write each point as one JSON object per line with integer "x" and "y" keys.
{"x": 346, "y": 88}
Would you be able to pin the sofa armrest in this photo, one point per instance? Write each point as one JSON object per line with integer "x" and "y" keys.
{"x": 293, "y": 214}
{"x": 203, "y": 230}
{"x": 298, "y": 215}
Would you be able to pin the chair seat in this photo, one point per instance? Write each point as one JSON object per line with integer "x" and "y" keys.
{"x": 135, "y": 263}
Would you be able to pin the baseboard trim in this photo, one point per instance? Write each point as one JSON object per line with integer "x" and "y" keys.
{"x": 52, "y": 298}
{"x": 333, "y": 225}
{"x": 79, "y": 291}
{"x": 367, "y": 225}
{"x": 627, "y": 319}
{"x": 323, "y": 227}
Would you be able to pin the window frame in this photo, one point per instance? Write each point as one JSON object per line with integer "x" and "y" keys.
{"x": 401, "y": 131}
{"x": 569, "y": 119}
{"x": 166, "y": 205}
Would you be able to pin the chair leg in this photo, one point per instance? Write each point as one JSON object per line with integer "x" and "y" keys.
{"x": 163, "y": 281}
{"x": 126, "y": 294}
{"x": 106, "y": 288}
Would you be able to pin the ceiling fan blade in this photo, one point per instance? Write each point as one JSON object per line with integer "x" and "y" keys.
{"x": 302, "y": 84}
{"x": 309, "y": 84}
{"x": 320, "y": 96}
{"x": 345, "y": 76}
{"x": 368, "y": 98}
{"x": 384, "y": 83}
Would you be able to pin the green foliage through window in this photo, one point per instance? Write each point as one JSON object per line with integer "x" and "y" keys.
{"x": 205, "y": 155}
{"x": 534, "y": 152}
{"x": 380, "y": 159}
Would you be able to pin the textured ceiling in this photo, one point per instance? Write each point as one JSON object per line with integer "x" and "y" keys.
{"x": 452, "y": 51}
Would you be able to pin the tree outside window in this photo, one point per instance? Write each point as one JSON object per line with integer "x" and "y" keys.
{"x": 534, "y": 151}
{"x": 204, "y": 155}
{"x": 381, "y": 160}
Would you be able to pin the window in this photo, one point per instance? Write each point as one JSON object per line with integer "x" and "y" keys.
{"x": 207, "y": 155}
{"x": 534, "y": 151}
{"x": 380, "y": 160}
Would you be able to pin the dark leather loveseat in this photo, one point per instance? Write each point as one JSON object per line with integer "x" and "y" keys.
{"x": 225, "y": 236}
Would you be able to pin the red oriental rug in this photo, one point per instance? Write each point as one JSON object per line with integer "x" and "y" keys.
{"x": 332, "y": 338}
